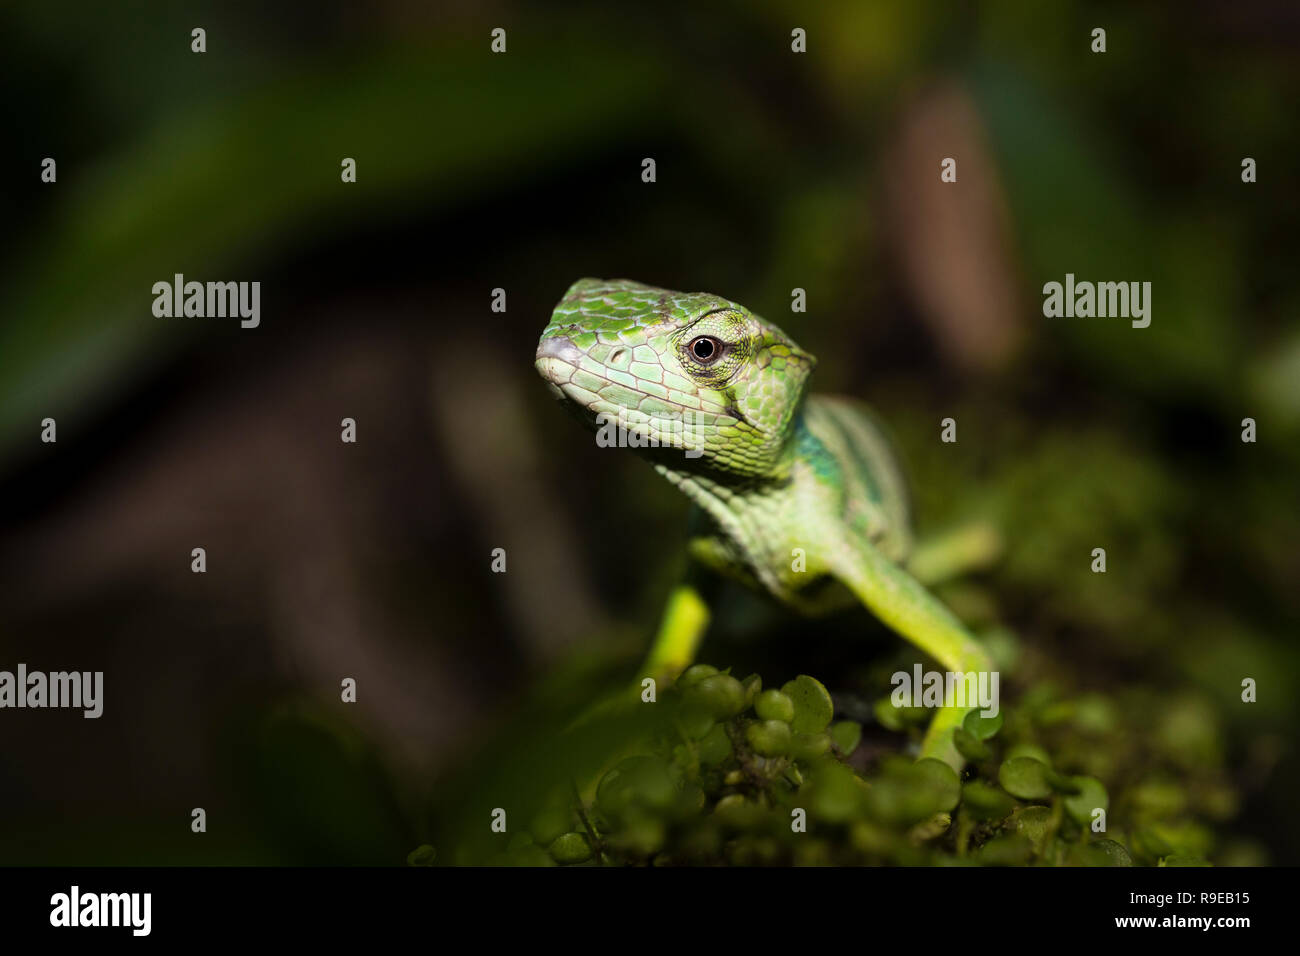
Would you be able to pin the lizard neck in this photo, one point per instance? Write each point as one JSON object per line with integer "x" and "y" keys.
{"x": 716, "y": 491}
{"x": 742, "y": 507}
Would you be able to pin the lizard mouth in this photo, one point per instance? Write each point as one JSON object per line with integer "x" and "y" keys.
{"x": 557, "y": 360}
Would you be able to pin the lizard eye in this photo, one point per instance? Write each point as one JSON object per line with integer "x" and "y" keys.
{"x": 705, "y": 349}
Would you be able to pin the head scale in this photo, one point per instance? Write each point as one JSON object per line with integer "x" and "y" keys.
{"x": 690, "y": 375}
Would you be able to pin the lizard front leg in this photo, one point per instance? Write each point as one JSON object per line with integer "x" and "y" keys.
{"x": 686, "y": 618}
{"x": 903, "y": 603}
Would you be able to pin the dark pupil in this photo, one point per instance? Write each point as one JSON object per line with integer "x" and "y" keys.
{"x": 703, "y": 349}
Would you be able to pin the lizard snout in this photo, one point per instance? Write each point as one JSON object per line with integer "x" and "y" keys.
{"x": 558, "y": 347}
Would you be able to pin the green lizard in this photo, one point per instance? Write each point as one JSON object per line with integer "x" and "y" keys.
{"x": 798, "y": 496}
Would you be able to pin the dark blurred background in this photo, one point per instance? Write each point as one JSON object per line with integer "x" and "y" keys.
{"x": 522, "y": 171}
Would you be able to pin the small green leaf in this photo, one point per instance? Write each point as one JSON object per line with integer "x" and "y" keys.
{"x": 969, "y": 746}
{"x": 769, "y": 738}
{"x": 834, "y": 794}
{"x": 570, "y": 847}
{"x": 1029, "y": 750}
{"x": 695, "y": 718}
{"x": 982, "y": 728}
{"x": 723, "y": 695}
{"x": 846, "y": 735}
{"x": 774, "y": 705}
{"x": 1034, "y": 823}
{"x": 1024, "y": 777}
{"x": 813, "y": 707}
{"x": 753, "y": 685}
{"x": 810, "y": 746}
{"x": 908, "y": 793}
{"x": 715, "y": 746}
{"x": 887, "y": 715}
{"x": 1115, "y": 852}
{"x": 940, "y": 782}
{"x": 1091, "y": 796}
{"x": 694, "y": 674}
{"x": 422, "y": 855}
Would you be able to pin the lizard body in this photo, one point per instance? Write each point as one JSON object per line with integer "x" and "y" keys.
{"x": 798, "y": 496}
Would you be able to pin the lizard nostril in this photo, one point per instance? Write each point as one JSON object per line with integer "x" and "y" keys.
{"x": 559, "y": 347}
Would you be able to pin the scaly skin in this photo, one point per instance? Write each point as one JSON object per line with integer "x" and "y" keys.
{"x": 714, "y": 397}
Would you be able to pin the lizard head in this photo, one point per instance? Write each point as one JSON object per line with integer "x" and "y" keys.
{"x": 685, "y": 374}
